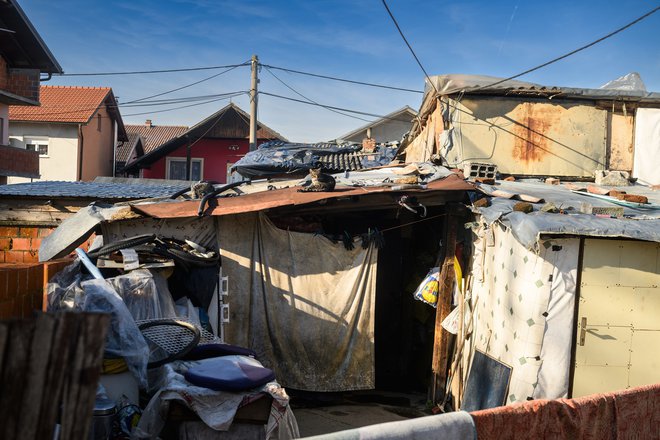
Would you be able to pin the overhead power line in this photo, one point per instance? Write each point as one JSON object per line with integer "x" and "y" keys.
{"x": 187, "y": 85}
{"x": 573, "y": 52}
{"x": 146, "y": 72}
{"x": 333, "y": 107}
{"x": 334, "y": 78}
{"x": 311, "y": 100}
{"x": 409, "y": 46}
{"x": 186, "y": 106}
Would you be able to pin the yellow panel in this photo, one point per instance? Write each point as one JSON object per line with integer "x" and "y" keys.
{"x": 621, "y": 142}
{"x": 604, "y": 346}
{"x": 601, "y": 262}
{"x": 593, "y": 379}
{"x": 604, "y": 305}
{"x": 646, "y": 309}
{"x": 532, "y": 137}
{"x": 639, "y": 264}
{"x": 645, "y": 358}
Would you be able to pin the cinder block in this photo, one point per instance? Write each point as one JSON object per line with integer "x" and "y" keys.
{"x": 472, "y": 170}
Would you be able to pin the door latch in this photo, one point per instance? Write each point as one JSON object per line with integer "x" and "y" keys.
{"x": 583, "y": 330}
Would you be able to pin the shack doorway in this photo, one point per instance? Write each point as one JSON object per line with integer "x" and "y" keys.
{"x": 617, "y": 325}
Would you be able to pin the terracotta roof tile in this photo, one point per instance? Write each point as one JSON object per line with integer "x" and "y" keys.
{"x": 154, "y": 136}
{"x": 125, "y": 148}
{"x": 62, "y": 104}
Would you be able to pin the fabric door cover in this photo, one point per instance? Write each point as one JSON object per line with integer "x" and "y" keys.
{"x": 647, "y": 146}
{"x": 523, "y": 302}
{"x": 303, "y": 303}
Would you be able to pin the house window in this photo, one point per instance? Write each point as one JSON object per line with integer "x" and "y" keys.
{"x": 98, "y": 122}
{"x": 40, "y": 145}
{"x": 176, "y": 168}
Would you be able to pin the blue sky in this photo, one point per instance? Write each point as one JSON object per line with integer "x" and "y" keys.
{"x": 350, "y": 39}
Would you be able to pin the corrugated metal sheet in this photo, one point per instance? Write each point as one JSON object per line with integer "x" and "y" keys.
{"x": 285, "y": 197}
{"x": 92, "y": 190}
{"x": 529, "y": 137}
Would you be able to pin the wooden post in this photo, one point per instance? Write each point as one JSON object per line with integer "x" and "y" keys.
{"x": 50, "y": 365}
{"x": 441, "y": 340}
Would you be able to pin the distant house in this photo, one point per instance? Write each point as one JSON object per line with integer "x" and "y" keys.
{"x": 205, "y": 151}
{"x": 143, "y": 139}
{"x": 389, "y": 128}
{"x": 23, "y": 58}
{"x": 75, "y": 131}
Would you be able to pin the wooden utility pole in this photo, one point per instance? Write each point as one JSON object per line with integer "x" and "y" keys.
{"x": 253, "y": 103}
{"x": 441, "y": 340}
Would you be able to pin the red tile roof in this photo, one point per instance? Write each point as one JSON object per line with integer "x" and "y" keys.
{"x": 62, "y": 104}
{"x": 154, "y": 136}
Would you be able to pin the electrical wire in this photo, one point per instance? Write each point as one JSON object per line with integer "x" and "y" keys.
{"x": 409, "y": 46}
{"x": 334, "y": 78}
{"x": 311, "y": 100}
{"x": 186, "y": 106}
{"x": 573, "y": 52}
{"x": 188, "y": 85}
{"x": 333, "y": 107}
{"x": 146, "y": 72}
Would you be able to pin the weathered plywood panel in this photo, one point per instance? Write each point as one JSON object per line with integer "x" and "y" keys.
{"x": 621, "y": 130}
{"x": 531, "y": 137}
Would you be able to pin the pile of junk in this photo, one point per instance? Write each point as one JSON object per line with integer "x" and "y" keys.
{"x": 167, "y": 372}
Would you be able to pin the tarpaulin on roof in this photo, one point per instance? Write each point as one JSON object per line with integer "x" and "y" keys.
{"x": 303, "y": 303}
{"x": 638, "y": 223}
{"x": 281, "y": 157}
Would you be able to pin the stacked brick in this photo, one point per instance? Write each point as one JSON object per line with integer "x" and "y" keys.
{"x": 21, "y": 244}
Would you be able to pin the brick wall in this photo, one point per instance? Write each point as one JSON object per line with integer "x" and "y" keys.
{"x": 20, "y": 244}
{"x": 23, "y": 287}
{"x": 18, "y": 162}
{"x": 24, "y": 82}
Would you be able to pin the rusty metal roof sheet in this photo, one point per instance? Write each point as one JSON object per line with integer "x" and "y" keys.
{"x": 288, "y": 197}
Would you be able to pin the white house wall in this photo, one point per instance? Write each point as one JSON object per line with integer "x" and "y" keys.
{"x": 61, "y": 163}
{"x": 522, "y": 305}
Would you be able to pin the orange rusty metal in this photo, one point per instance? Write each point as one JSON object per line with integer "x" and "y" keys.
{"x": 284, "y": 197}
{"x": 531, "y": 143}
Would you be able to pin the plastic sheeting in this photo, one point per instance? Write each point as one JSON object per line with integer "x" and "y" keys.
{"x": 303, "y": 303}
{"x": 145, "y": 294}
{"x": 279, "y": 157}
{"x": 647, "y": 146}
{"x": 640, "y": 224}
{"x": 67, "y": 290}
{"x": 523, "y": 304}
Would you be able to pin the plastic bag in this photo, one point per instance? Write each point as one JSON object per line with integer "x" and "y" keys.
{"x": 428, "y": 289}
{"x": 67, "y": 291}
{"x": 145, "y": 294}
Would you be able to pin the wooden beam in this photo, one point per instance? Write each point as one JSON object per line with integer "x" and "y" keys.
{"x": 442, "y": 338}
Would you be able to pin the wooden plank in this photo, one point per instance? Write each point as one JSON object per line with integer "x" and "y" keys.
{"x": 441, "y": 341}
{"x": 14, "y": 376}
{"x": 64, "y": 331}
{"x": 83, "y": 375}
{"x": 36, "y": 370}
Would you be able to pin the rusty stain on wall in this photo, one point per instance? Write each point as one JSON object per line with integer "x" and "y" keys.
{"x": 531, "y": 144}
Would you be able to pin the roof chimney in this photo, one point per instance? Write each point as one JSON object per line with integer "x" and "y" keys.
{"x": 148, "y": 123}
